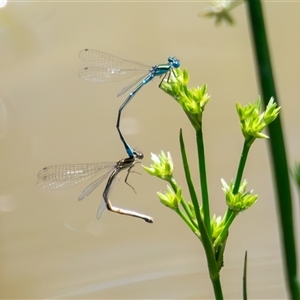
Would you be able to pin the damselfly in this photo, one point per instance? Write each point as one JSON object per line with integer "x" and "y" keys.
{"x": 107, "y": 68}
{"x": 59, "y": 177}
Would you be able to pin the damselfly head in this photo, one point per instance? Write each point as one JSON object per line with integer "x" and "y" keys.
{"x": 174, "y": 62}
{"x": 138, "y": 155}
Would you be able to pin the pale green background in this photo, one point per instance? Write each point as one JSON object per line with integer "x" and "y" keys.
{"x": 50, "y": 116}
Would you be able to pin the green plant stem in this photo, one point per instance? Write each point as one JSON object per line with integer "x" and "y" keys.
{"x": 220, "y": 254}
{"x": 184, "y": 203}
{"x": 189, "y": 223}
{"x": 214, "y": 273}
{"x": 188, "y": 212}
{"x": 239, "y": 175}
{"x": 203, "y": 180}
{"x": 217, "y": 287}
{"x": 206, "y": 238}
{"x": 229, "y": 216}
{"x": 245, "y": 297}
{"x": 190, "y": 184}
{"x": 278, "y": 153}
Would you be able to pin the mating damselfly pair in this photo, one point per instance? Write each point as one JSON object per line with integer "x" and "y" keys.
{"x": 106, "y": 68}
{"x": 64, "y": 176}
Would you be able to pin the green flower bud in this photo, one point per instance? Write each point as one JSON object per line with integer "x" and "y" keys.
{"x": 193, "y": 100}
{"x": 162, "y": 166}
{"x": 252, "y": 122}
{"x": 217, "y": 226}
{"x": 170, "y": 199}
{"x": 240, "y": 201}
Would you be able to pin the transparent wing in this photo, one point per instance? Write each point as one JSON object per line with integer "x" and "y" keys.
{"x": 99, "y": 58}
{"x": 64, "y": 176}
{"x": 107, "y": 190}
{"x": 109, "y": 74}
{"x": 104, "y": 67}
{"x": 130, "y": 85}
{"x": 101, "y": 209}
{"x": 92, "y": 186}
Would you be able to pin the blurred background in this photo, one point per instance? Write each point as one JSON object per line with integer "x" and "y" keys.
{"x": 52, "y": 246}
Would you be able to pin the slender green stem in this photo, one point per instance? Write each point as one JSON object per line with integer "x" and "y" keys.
{"x": 206, "y": 238}
{"x": 230, "y": 216}
{"x": 245, "y": 297}
{"x": 183, "y": 203}
{"x": 241, "y": 167}
{"x": 189, "y": 223}
{"x": 190, "y": 182}
{"x": 278, "y": 153}
{"x": 186, "y": 208}
{"x": 203, "y": 180}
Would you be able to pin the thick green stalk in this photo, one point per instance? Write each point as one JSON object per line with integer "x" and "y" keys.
{"x": 278, "y": 153}
{"x": 217, "y": 287}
